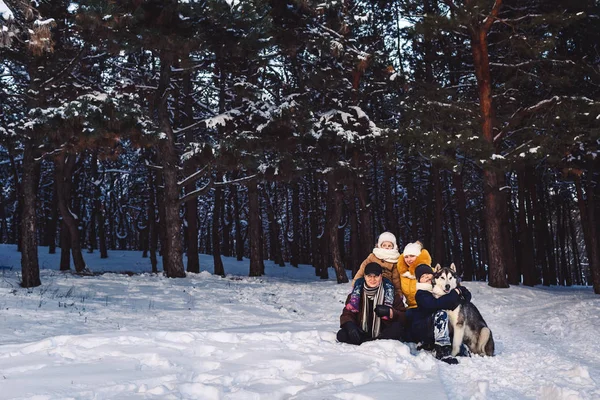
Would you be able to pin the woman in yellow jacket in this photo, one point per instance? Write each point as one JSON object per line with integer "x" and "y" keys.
{"x": 413, "y": 255}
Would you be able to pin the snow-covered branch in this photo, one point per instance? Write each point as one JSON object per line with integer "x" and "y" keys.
{"x": 192, "y": 178}
{"x": 531, "y": 62}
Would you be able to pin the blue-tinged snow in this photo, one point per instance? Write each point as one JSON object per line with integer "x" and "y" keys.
{"x": 115, "y": 336}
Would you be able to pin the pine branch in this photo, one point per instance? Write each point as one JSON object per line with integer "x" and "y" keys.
{"x": 64, "y": 71}
{"x": 531, "y": 62}
{"x": 192, "y": 178}
{"x": 519, "y": 115}
{"x": 198, "y": 192}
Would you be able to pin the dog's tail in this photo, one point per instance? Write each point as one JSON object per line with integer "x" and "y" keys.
{"x": 485, "y": 342}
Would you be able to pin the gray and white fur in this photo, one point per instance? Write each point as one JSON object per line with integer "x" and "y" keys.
{"x": 466, "y": 323}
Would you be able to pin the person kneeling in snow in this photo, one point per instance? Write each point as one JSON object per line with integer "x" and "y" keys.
{"x": 373, "y": 310}
{"x": 429, "y": 321}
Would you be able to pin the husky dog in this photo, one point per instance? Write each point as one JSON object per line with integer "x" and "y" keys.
{"x": 466, "y": 323}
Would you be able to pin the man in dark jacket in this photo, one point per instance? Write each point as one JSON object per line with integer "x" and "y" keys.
{"x": 373, "y": 310}
{"x": 429, "y": 321}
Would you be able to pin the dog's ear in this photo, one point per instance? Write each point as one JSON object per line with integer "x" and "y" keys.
{"x": 453, "y": 267}
{"x": 437, "y": 268}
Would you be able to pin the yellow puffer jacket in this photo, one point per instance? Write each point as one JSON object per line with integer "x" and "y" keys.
{"x": 407, "y": 276}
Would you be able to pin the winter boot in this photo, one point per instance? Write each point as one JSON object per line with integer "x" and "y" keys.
{"x": 464, "y": 351}
{"x": 444, "y": 353}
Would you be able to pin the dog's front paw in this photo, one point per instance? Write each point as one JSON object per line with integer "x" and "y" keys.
{"x": 408, "y": 275}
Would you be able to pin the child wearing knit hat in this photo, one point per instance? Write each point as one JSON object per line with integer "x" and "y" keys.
{"x": 385, "y": 253}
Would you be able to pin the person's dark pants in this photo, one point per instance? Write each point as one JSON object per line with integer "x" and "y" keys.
{"x": 393, "y": 330}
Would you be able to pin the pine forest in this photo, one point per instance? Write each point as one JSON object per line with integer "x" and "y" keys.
{"x": 298, "y": 130}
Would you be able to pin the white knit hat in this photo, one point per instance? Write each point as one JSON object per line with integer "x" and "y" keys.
{"x": 387, "y": 237}
{"x": 412, "y": 249}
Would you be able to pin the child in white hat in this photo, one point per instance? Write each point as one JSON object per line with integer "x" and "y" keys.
{"x": 386, "y": 254}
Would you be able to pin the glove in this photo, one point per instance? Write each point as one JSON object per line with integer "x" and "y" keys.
{"x": 464, "y": 295}
{"x": 354, "y": 332}
{"x": 382, "y": 310}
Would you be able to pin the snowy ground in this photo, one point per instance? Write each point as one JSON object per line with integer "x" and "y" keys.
{"x": 115, "y": 336}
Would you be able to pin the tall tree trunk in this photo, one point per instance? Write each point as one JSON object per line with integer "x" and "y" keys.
{"x": 226, "y": 222}
{"x": 461, "y": 205}
{"x": 239, "y": 242}
{"x": 64, "y": 164}
{"x": 167, "y": 154}
{"x": 354, "y": 257}
{"x": 95, "y": 209}
{"x": 438, "y": 236}
{"x": 191, "y": 206}
{"x": 587, "y": 212}
{"x": 314, "y": 224}
{"x": 561, "y": 227}
{"x": 593, "y": 227}
{"x": 510, "y": 235}
{"x": 52, "y": 224}
{"x": 274, "y": 230}
{"x": 493, "y": 199}
{"x": 296, "y": 228}
{"x": 365, "y": 208}
{"x": 335, "y": 200}
{"x": 30, "y": 269}
{"x": 525, "y": 250}
{"x": 255, "y": 230}
{"x": 390, "y": 221}
{"x": 216, "y": 224}
{"x": 575, "y": 249}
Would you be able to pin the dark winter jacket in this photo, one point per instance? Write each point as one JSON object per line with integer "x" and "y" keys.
{"x": 349, "y": 315}
{"x": 420, "y": 319}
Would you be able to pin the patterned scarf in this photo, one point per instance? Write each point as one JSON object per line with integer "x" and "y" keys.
{"x": 383, "y": 294}
{"x": 389, "y": 255}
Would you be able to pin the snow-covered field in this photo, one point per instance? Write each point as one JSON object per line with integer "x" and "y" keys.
{"x": 115, "y": 336}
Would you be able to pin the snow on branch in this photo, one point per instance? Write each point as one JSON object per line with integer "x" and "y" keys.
{"x": 192, "y": 178}
{"x": 531, "y": 62}
{"x": 449, "y": 105}
{"x": 519, "y": 115}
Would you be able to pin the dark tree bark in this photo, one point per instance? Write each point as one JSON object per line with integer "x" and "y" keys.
{"x": 317, "y": 257}
{"x": 588, "y": 222}
{"x": 216, "y": 224}
{"x": 335, "y": 200}
{"x": 30, "y": 269}
{"x": 191, "y": 206}
{"x": 274, "y": 230}
{"x": 354, "y": 246}
{"x": 438, "y": 236}
{"x": 173, "y": 249}
{"x": 537, "y": 204}
{"x": 367, "y": 238}
{"x": 525, "y": 255}
{"x": 461, "y": 205}
{"x": 296, "y": 228}
{"x": 390, "y": 221}
{"x": 226, "y": 223}
{"x": 255, "y": 230}
{"x": 239, "y": 242}
{"x": 52, "y": 225}
{"x": 152, "y": 225}
{"x": 64, "y": 164}
{"x": 493, "y": 201}
{"x": 564, "y": 276}
{"x": 95, "y": 209}
{"x": 65, "y": 247}
{"x": 574, "y": 248}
